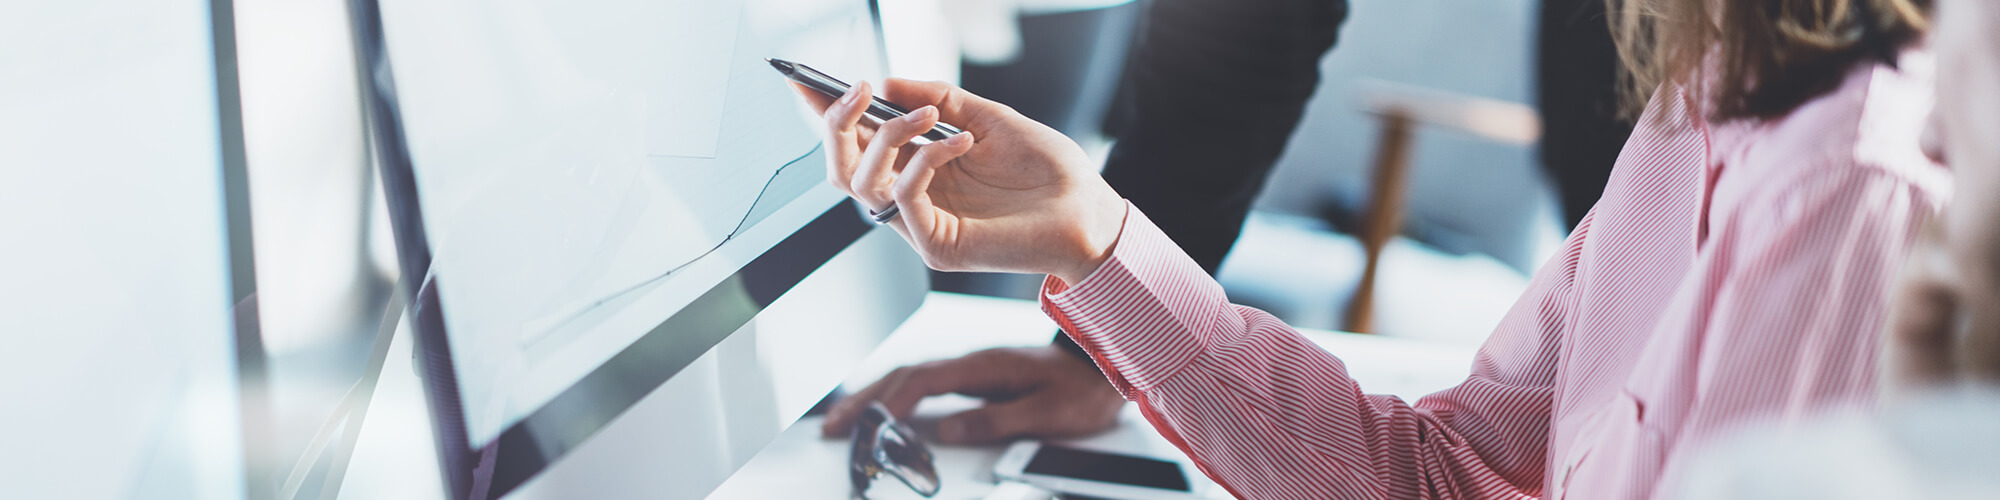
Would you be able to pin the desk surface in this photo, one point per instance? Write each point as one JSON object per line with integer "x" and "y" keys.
{"x": 394, "y": 460}
{"x": 800, "y": 464}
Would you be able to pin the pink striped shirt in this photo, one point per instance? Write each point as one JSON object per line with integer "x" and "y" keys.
{"x": 1732, "y": 271}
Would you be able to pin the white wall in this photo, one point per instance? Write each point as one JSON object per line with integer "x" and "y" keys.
{"x": 117, "y": 361}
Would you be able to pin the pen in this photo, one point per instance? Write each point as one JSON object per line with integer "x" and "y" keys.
{"x": 878, "y": 109}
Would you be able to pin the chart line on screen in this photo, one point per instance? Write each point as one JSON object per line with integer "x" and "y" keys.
{"x": 565, "y": 315}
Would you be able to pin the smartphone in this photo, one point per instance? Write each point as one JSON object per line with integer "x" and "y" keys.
{"x": 1064, "y": 469}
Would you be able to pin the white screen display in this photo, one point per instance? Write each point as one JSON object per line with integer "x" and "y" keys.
{"x": 588, "y": 168}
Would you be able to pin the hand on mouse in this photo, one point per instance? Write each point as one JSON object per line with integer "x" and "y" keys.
{"x": 1039, "y": 391}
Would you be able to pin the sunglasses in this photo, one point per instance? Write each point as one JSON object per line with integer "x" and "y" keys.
{"x": 880, "y": 445}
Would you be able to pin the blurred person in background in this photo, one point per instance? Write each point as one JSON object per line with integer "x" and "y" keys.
{"x": 1937, "y": 432}
{"x": 1738, "y": 265}
{"x": 1576, "y": 90}
{"x": 1195, "y": 165}
{"x": 1947, "y": 329}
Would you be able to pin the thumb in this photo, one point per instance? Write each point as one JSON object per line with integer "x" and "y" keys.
{"x": 992, "y": 422}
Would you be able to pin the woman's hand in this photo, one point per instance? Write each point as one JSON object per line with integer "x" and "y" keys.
{"x": 1037, "y": 392}
{"x": 1009, "y": 195}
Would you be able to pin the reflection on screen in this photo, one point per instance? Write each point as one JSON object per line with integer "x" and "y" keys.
{"x": 1107, "y": 468}
{"x": 587, "y": 168}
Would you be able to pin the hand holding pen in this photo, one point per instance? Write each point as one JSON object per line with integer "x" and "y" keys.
{"x": 878, "y": 111}
{"x": 1025, "y": 199}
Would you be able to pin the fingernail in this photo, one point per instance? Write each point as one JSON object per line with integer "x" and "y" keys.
{"x": 958, "y": 139}
{"x": 852, "y": 93}
{"x": 924, "y": 113}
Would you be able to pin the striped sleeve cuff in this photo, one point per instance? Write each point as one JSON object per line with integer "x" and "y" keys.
{"x": 1144, "y": 314}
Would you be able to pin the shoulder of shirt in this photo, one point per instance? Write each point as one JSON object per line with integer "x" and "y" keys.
{"x": 1864, "y": 132}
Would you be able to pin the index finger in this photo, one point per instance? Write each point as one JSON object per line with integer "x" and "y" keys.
{"x": 843, "y": 136}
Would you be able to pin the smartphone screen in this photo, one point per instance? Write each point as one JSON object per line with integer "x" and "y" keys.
{"x": 1107, "y": 468}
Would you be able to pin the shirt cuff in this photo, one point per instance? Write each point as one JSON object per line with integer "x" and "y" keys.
{"x": 1144, "y": 314}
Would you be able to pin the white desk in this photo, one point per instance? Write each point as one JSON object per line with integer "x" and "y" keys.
{"x": 800, "y": 464}
{"x": 394, "y": 458}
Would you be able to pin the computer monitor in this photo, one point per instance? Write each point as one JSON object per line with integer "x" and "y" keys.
{"x": 629, "y": 272}
{"x": 126, "y": 251}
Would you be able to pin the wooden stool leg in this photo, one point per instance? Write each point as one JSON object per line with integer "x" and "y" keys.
{"x": 1384, "y": 218}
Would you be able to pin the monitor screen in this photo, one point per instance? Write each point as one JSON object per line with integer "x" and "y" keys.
{"x": 594, "y": 192}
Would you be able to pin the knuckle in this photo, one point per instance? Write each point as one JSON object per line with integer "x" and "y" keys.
{"x": 978, "y": 425}
{"x": 882, "y": 148}
{"x": 909, "y": 373}
{"x": 864, "y": 178}
{"x": 990, "y": 355}
{"x": 932, "y": 260}
{"x": 873, "y": 196}
{"x": 931, "y": 368}
{"x": 938, "y": 151}
{"x": 903, "y": 128}
{"x": 949, "y": 263}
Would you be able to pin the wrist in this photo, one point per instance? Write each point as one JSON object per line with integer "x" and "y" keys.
{"x": 1096, "y": 242}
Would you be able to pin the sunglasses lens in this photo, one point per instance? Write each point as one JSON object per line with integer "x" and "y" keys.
{"x": 861, "y": 464}
{"x": 881, "y": 444}
{"x": 905, "y": 457}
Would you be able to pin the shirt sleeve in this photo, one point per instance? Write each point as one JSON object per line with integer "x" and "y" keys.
{"x": 1268, "y": 414}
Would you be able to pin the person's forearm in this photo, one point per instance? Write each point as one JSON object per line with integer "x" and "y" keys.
{"x": 1269, "y": 414}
